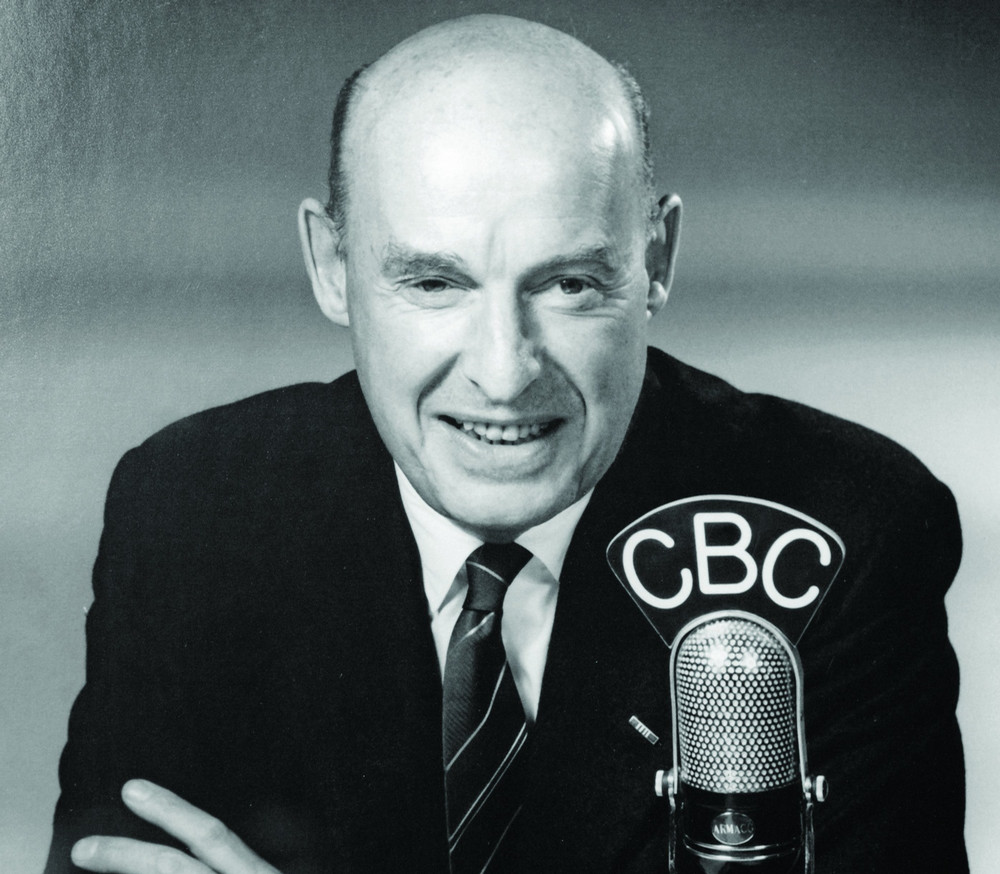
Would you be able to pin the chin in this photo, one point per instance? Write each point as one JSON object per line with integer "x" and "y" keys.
{"x": 502, "y": 512}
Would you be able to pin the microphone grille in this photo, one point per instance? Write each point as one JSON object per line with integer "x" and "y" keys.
{"x": 735, "y": 701}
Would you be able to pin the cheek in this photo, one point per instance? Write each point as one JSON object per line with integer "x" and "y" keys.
{"x": 384, "y": 377}
{"x": 399, "y": 356}
{"x": 607, "y": 362}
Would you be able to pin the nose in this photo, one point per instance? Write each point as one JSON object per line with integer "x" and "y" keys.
{"x": 501, "y": 355}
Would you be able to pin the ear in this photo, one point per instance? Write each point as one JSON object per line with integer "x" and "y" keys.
{"x": 661, "y": 252}
{"x": 324, "y": 260}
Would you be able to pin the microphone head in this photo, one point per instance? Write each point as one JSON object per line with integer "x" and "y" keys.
{"x": 735, "y": 707}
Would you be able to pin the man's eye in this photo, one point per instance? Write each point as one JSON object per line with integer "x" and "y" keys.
{"x": 431, "y": 286}
{"x": 573, "y": 285}
{"x": 432, "y": 292}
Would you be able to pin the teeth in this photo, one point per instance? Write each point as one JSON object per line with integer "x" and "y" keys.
{"x": 494, "y": 433}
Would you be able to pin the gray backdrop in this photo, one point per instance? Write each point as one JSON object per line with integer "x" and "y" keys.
{"x": 839, "y": 165}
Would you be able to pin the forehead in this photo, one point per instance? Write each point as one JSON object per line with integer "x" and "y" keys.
{"x": 495, "y": 144}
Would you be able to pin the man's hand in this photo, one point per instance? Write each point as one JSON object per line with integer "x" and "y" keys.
{"x": 217, "y": 848}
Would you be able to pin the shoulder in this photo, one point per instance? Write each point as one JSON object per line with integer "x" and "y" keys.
{"x": 275, "y": 427}
{"x": 256, "y": 457}
{"x": 282, "y": 417}
{"x": 261, "y": 495}
{"x": 772, "y": 438}
{"x": 705, "y": 436}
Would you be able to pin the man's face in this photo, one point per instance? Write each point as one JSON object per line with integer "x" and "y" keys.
{"x": 497, "y": 297}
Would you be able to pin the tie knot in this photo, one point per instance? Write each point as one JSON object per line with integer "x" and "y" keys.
{"x": 490, "y": 570}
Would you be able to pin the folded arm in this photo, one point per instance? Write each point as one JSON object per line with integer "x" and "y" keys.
{"x": 214, "y": 848}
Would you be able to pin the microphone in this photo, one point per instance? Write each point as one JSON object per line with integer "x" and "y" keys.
{"x": 730, "y": 583}
{"x": 739, "y": 793}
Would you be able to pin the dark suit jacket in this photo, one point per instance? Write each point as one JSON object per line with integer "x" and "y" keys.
{"x": 259, "y": 641}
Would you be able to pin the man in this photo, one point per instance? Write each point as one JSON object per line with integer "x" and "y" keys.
{"x": 282, "y": 583}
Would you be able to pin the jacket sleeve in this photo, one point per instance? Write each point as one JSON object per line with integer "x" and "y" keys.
{"x": 120, "y": 725}
{"x": 882, "y": 686}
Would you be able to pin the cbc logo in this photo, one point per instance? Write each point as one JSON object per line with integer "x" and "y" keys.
{"x": 706, "y": 551}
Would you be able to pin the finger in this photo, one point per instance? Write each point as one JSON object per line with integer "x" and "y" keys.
{"x": 205, "y": 836}
{"x": 128, "y": 856}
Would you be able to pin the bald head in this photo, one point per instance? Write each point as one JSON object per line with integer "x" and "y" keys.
{"x": 496, "y": 258}
{"x": 504, "y": 73}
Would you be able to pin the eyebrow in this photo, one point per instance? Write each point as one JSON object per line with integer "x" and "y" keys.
{"x": 400, "y": 260}
{"x": 601, "y": 259}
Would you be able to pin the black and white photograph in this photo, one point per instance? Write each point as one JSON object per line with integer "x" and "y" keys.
{"x": 489, "y": 437}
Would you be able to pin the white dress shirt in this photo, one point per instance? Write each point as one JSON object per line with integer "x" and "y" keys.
{"x": 530, "y": 604}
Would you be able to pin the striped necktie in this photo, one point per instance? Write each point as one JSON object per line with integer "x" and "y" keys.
{"x": 484, "y": 726}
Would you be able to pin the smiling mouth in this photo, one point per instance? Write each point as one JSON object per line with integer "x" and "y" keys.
{"x": 501, "y": 435}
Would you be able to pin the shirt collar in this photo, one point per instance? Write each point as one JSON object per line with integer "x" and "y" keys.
{"x": 444, "y": 546}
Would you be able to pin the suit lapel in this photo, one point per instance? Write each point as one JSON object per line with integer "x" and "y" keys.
{"x": 360, "y": 681}
{"x": 592, "y": 798}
